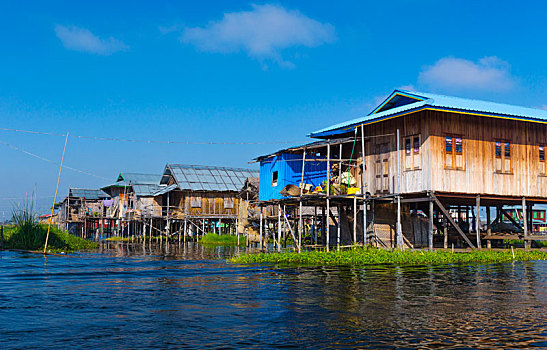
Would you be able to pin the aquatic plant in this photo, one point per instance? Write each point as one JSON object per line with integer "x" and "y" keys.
{"x": 372, "y": 256}
{"x": 214, "y": 239}
{"x": 28, "y": 234}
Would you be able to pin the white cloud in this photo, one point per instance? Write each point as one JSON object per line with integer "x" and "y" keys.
{"x": 544, "y": 107}
{"x": 408, "y": 87}
{"x": 450, "y": 73}
{"x": 81, "y": 39}
{"x": 262, "y": 33}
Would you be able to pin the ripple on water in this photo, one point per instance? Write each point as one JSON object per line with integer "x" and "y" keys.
{"x": 142, "y": 297}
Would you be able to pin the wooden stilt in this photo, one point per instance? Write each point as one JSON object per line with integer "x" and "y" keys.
{"x": 261, "y": 227}
{"x": 338, "y": 226}
{"x": 488, "y": 228}
{"x": 399, "y": 227}
{"x": 328, "y": 195}
{"x": 323, "y": 227}
{"x": 355, "y": 219}
{"x": 478, "y": 221}
{"x": 445, "y": 229}
{"x": 525, "y": 223}
{"x": 363, "y": 184}
{"x": 447, "y": 214}
{"x": 279, "y": 227}
{"x": 430, "y": 230}
{"x": 300, "y": 226}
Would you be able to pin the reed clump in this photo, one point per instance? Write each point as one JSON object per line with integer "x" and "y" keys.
{"x": 214, "y": 239}
{"x": 28, "y": 234}
{"x": 359, "y": 256}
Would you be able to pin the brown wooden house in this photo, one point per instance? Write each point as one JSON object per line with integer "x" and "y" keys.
{"x": 200, "y": 199}
{"x": 439, "y": 159}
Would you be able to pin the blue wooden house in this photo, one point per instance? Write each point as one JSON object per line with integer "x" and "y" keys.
{"x": 284, "y": 168}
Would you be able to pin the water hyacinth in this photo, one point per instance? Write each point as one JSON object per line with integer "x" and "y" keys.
{"x": 372, "y": 256}
{"x": 227, "y": 240}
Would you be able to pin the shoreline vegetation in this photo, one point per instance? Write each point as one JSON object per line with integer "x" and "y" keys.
{"x": 29, "y": 235}
{"x": 33, "y": 237}
{"x": 359, "y": 256}
{"x": 227, "y": 240}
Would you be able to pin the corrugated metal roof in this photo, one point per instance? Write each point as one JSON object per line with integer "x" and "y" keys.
{"x": 87, "y": 194}
{"x": 146, "y": 189}
{"x": 449, "y": 103}
{"x": 208, "y": 178}
{"x": 142, "y": 184}
{"x": 310, "y": 146}
{"x": 139, "y": 179}
{"x": 165, "y": 189}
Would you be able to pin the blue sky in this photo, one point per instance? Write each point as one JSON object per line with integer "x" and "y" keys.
{"x": 219, "y": 71}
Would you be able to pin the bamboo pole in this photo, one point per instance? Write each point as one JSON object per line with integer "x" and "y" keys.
{"x": 328, "y": 196}
{"x": 363, "y": 183}
{"x": 278, "y": 227}
{"x": 300, "y": 226}
{"x": 56, "y": 191}
{"x": 399, "y": 228}
{"x": 355, "y": 219}
{"x": 261, "y": 226}
{"x": 430, "y": 226}
{"x": 478, "y": 221}
{"x": 525, "y": 223}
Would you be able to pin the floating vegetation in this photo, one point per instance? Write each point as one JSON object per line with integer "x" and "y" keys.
{"x": 214, "y": 239}
{"x": 28, "y": 234}
{"x": 372, "y": 256}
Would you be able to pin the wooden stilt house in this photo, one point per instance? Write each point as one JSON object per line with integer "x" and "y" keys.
{"x": 201, "y": 199}
{"x": 81, "y": 211}
{"x": 429, "y": 162}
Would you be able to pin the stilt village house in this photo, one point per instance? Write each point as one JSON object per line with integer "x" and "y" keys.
{"x": 420, "y": 170}
{"x": 183, "y": 200}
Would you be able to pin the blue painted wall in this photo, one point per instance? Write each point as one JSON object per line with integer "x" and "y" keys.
{"x": 289, "y": 170}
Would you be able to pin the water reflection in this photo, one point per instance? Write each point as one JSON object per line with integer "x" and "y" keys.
{"x": 176, "y": 296}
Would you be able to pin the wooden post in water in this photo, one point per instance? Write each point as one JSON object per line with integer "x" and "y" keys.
{"x": 339, "y": 226}
{"x": 300, "y": 226}
{"x": 488, "y": 228}
{"x": 323, "y": 227}
{"x": 278, "y": 227}
{"x": 315, "y": 224}
{"x": 445, "y": 245}
{"x": 355, "y": 219}
{"x": 525, "y": 223}
{"x": 328, "y": 196}
{"x": 261, "y": 226}
{"x": 430, "y": 230}
{"x": 56, "y": 191}
{"x": 399, "y": 228}
{"x": 363, "y": 183}
{"x": 478, "y": 221}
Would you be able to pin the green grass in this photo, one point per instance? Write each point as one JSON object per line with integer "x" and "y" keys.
{"x": 33, "y": 237}
{"x": 371, "y": 256}
{"x": 215, "y": 239}
{"x": 519, "y": 242}
{"x": 28, "y": 234}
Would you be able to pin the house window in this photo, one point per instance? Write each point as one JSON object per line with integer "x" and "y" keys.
{"x": 274, "y": 179}
{"x": 502, "y": 154}
{"x": 195, "y": 202}
{"x": 412, "y": 152}
{"x": 542, "y": 160}
{"x": 228, "y": 203}
{"x": 453, "y": 152}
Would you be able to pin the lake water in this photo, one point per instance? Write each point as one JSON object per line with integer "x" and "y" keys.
{"x": 188, "y": 297}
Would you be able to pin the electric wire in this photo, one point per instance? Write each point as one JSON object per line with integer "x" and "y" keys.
{"x": 168, "y": 142}
{"x": 51, "y": 161}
